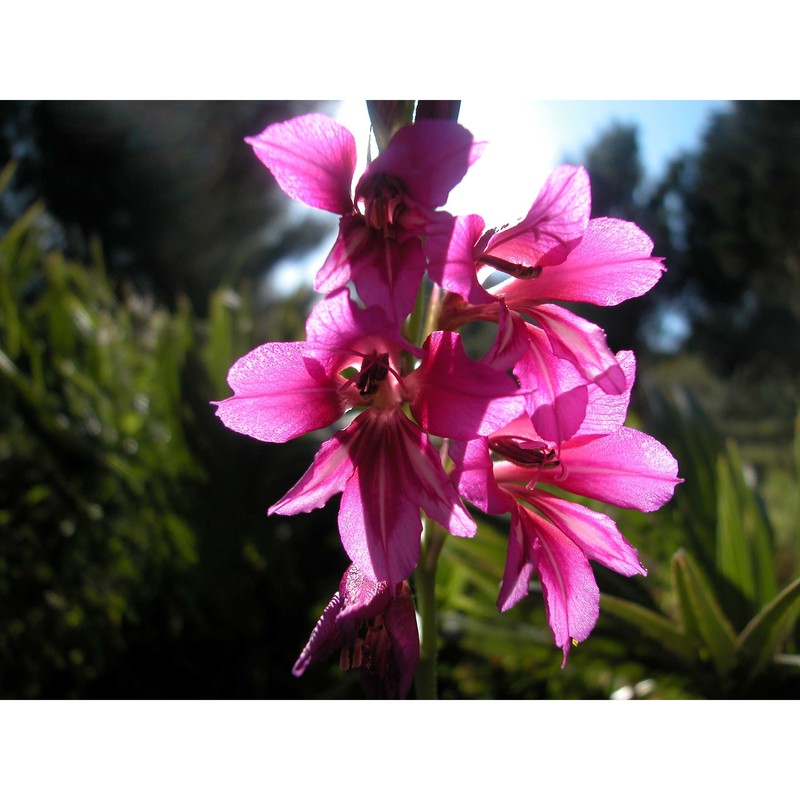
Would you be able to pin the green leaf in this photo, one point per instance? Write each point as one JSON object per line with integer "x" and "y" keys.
{"x": 745, "y": 540}
{"x": 765, "y": 632}
{"x": 6, "y": 175}
{"x": 652, "y": 625}
{"x": 701, "y": 613}
{"x": 797, "y": 491}
{"x": 734, "y": 559}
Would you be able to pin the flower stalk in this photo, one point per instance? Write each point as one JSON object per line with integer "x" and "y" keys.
{"x": 433, "y": 537}
{"x": 432, "y": 428}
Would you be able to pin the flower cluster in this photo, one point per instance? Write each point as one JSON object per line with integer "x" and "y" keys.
{"x": 427, "y": 426}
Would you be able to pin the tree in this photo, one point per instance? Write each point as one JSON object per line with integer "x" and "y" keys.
{"x": 736, "y": 252}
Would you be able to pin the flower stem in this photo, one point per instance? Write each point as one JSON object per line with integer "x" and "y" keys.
{"x": 433, "y": 538}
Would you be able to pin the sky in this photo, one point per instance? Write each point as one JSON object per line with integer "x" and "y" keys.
{"x": 525, "y": 140}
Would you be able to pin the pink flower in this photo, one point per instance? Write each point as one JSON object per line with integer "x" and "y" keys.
{"x": 383, "y": 462}
{"x": 381, "y": 227}
{"x": 375, "y": 629}
{"x": 556, "y": 253}
{"x": 556, "y": 537}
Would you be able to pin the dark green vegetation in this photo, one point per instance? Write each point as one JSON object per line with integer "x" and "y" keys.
{"x": 136, "y": 558}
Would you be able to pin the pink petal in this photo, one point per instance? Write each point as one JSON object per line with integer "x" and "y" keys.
{"x": 568, "y": 584}
{"x": 595, "y": 534}
{"x": 474, "y": 478}
{"x": 380, "y": 529}
{"x": 328, "y": 474}
{"x": 511, "y": 342}
{"x": 457, "y": 397}
{"x": 627, "y": 468}
{"x": 397, "y": 472}
{"x": 558, "y": 405}
{"x": 338, "y": 324}
{"x": 456, "y": 270}
{"x": 325, "y": 639}
{"x": 313, "y": 159}
{"x": 553, "y": 226}
{"x": 280, "y": 392}
{"x": 362, "y": 598}
{"x": 521, "y": 560}
{"x": 612, "y": 263}
{"x": 430, "y": 157}
{"x": 583, "y": 344}
{"x": 386, "y": 272}
{"x": 605, "y": 413}
{"x": 400, "y": 620}
{"x": 335, "y": 270}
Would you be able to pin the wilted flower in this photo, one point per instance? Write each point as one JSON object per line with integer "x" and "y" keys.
{"x": 375, "y": 630}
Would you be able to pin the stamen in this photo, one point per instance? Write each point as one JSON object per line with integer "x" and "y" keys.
{"x": 510, "y": 268}
{"x": 357, "y": 654}
{"x": 524, "y": 452}
{"x": 374, "y": 369}
{"x": 383, "y": 203}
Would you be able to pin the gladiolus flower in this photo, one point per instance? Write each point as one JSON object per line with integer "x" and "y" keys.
{"x": 375, "y": 630}
{"x": 555, "y": 253}
{"x": 383, "y": 463}
{"x": 556, "y": 537}
{"x": 382, "y": 225}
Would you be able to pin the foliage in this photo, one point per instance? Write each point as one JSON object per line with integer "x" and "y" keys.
{"x": 717, "y": 618}
{"x": 135, "y": 556}
{"x": 168, "y": 187}
{"x": 725, "y": 623}
{"x": 92, "y": 458}
{"x": 733, "y": 253}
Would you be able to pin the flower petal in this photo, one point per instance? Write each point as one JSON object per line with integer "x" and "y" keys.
{"x": 582, "y": 343}
{"x": 327, "y": 476}
{"x": 362, "y": 598}
{"x": 313, "y": 159}
{"x": 605, "y": 413}
{"x": 430, "y": 157}
{"x": 521, "y": 560}
{"x": 627, "y": 468}
{"x": 612, "y": 263}
{"x": 595, "y": 534}
{"x": 568, "y": 584}
{"x": 386, "y": 272}
{"x": 473, "y": 476}
{"x": 558, "y": 405}
{"x": 554, "y": 225}
{"x": 511, "y": 342}
{"x": 337, "y": 324}
{"x": 325, "y": 639}
{"x": 457, "y": 397}
{"x": 388, "y": 670}
{"x": 397, "y": 472}
{"x": 452, "y": 260}
{"x": 280, "y": 392}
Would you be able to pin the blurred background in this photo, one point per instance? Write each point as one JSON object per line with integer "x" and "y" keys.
{"x": 143, "y": 249}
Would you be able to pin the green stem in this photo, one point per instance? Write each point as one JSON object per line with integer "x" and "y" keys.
{"x": 433, "y": 538}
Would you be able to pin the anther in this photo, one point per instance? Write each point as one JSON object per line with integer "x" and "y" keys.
{"x": 524, "y": 452}
{"x": 510, "y": 268}
{"x": 374, "y": 369}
